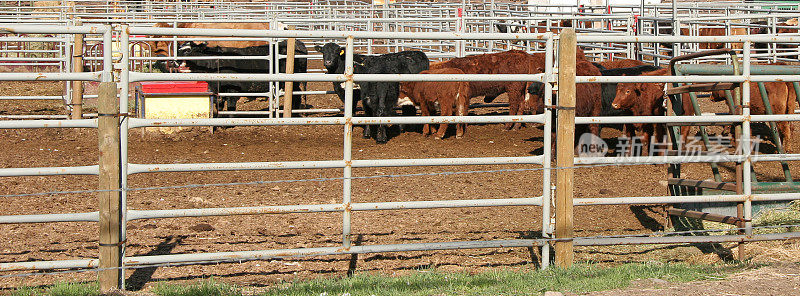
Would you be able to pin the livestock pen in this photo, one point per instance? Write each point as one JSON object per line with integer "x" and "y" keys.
{"x": 647, "y": 20}
{"x": 347, "y": 163}
{"x": 340, "y": 180}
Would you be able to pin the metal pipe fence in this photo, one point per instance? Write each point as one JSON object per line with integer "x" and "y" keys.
{"x": 541, "y": 162}
{"x": 416, "y": 17}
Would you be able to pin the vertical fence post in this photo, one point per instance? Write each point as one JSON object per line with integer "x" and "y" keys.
{"x": 77, "y": 86}
{"x": 347, "y": 156}
{"x": 744, "y": 139}
{"x": 288, "y": 91}
{"x": 547, "y": 185}
{"x": 110, "y": 199}
{"x": 565, "y": 147}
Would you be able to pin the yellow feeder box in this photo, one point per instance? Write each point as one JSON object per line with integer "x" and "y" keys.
{"x": 173, "y": 99}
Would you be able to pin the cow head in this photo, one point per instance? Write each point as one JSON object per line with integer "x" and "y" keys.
{"x": 627, "y": 95}
{"x": 161, "y": 50}
{"x": 191, "y": 48}
{"x": 332, "y": 55}
{"x": 534, "y": 99}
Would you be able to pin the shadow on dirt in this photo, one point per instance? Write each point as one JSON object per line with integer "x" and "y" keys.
{"x": 141, "y": 276}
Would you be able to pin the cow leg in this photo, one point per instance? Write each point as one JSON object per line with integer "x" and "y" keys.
{"x": 785, "y": 134}
{"x": 684, "y": 136}
{"x": 367, "y": 128}
{"x": 659, "y": 132}
{"x": 219, "y": 104}
{"x": 297, "y": 100}
{"x": 407, "y": 110}
{"x": 426, "y": 111}
{"x": 305, "y": 88}
{"x": 461, "y": 110}
{"x": 446, "y": 106}
{"x": 231, "y": 105}
{"x": 596, "y": 111}
{"x": 384, "y": 109}
{"x": 514, "y": 108}
{"x": 647, "y": 133}
{"x": 630, "y": 133}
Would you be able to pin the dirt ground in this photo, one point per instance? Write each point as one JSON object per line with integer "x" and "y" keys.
{"x": 74, "y": 147}
{"x": 774, "y": 280}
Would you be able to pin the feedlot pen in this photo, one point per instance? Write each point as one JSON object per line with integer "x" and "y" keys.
{"x": 43, "y": 51}
{"x": 335, "y": 195}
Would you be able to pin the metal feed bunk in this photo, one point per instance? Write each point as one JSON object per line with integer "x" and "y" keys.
{"x": 724, "y": 212}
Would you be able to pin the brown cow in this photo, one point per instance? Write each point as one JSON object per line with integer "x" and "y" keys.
{"x": 720, "y": 32}
{"x": 449, "y": 95}
{"x": 648, "y": 99}
{"x": 782, "y": 99}
{"x": 621, "y": 63}
{"x": 588, "y": 96}
{"x": 793, "y": 30}
{"x": 507, "y": 62}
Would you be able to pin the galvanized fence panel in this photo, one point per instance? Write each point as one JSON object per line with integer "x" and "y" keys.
{"x": 346, "y": 163}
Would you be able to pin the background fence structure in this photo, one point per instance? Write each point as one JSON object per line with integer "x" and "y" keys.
{"x": 484, "y": 17}
{"x": 442, "y": 33}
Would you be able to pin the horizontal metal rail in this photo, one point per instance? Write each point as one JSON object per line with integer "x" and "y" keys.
{"x": 323, "y": 251}
{"x": 49, "y": 29}
{"x": 49, "y": 218}
{"x": 339, "y": 34}
{"x": 685, "y": 79}
{"x": 86, "y": 76}
{"x": 140, "y": 122}
{"x": 72, "y": 123}
{"x": 329, "y": 164}
{"x": 50, "y": 171}
{"x": 300, "y": 77}
{"x": 377, "y": 206}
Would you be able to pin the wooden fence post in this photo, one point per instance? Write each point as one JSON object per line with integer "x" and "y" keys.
{"x": 77, "y": 67}
{"x": 110, "y": 200}
{"x": 565, "y": 147}
{"x": 288, "y": 91}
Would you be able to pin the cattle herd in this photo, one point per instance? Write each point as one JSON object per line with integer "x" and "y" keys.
{"x": 380, "y": 98}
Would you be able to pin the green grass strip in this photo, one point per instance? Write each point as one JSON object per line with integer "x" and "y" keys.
{"x": 208, "y": 287}
{"x": 61, "y": 289}
{"x": 578, "y": 279}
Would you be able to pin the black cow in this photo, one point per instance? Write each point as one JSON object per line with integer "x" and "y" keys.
{"x": 333, "y": 60}
{"x": 609, "y": 91}
{"x": 375, "y": 101}
{"x": 512, "y": 27}
{"x": 258, "y": 66}
{"x": 509, "y": 27}
{"x": 630, "y": 71}
{"x": 379, "y": 98}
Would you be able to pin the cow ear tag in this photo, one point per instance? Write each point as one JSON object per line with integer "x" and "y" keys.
{"x": 342, "y": 52}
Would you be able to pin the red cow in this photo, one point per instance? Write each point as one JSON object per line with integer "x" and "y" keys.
{"x": 621, "y": 63}
{"x": 782, "y": 99}
{"x": 448, "y": 94}
{"x": 507, "y": 62}
{"x": 720, "y": 32}
{"x": 648, "y": 99}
